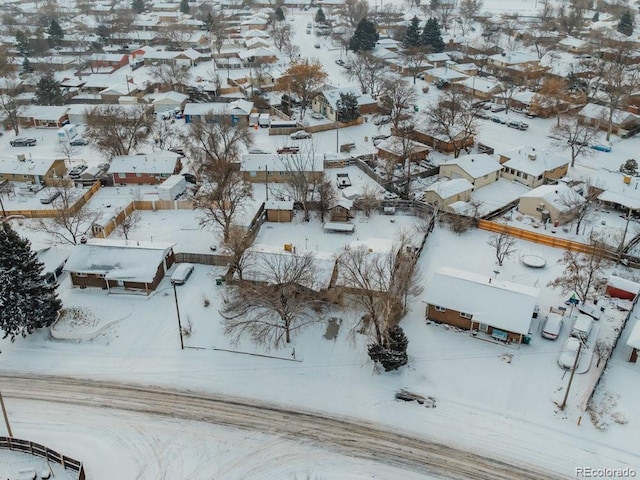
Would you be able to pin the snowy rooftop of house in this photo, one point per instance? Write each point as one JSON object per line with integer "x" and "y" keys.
{"x": 514, "y": 58}
{"x": 449, "y": 188}
{"x": 281, "y": 163}
{"x": 504, "y": 305}
{"x": 395, "y": 145}
{"x": 599, "y": 112}
{"x": 257, "y": 52}
{"x": 333, "y": 95}
{"x": 446, "y": 73}
{"x": 29, "y": 166}
{"x": 98, "y": 80}
{"x": 629, "y": 200}
{"x": 173, "y": 96}
{"x": 107, "y": 57}
{"x": 533, "y": 162}
{"x": 560, "y": 196}
{"x": 572, "y": 42}
{"x": 524, "y": 97}
{"x": 253, "y": 33}
{"x": 118, "y": 259}
{"x": 438, "y": 57}
{"x": 476, "y": 165}
{"x": 156, "y": 163}
{"x": 237, "y": 107}
{"x": 480, "y": 84}
{"x": 44, "y": 112}
{"x": 623, "y": 284}
{"x": 278, "y": 205}
{"x": 53, "y": 256}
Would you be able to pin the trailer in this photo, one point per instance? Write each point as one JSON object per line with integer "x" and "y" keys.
{"x": 67, "y": 133}
{"x": 172, "y": 187}
{"x": 264, "y": 120}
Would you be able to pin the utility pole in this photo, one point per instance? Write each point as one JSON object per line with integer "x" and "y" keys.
{"x": 6, "y": 417}
{"x": 266, "y": 181}
{"x": 573, "y": 372}
{"x": 175, "y": 295}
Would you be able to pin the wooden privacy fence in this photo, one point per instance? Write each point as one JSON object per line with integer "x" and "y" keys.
{"x": 535, "y": 237}
{"x": 38, "y": 450}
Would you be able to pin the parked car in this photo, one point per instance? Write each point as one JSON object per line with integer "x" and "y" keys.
{"x": 316, "y": 45}
{"x": 179, "y": 151}
{"x": 282, "y": 150}
{"x": 23, "y": 142}
{"x": 382, "y": 120}
{"x": 601, "y": 148}
{"x": 257, "y": 151}
{"x": 317, "y": 116}
{"x": 552, "y": 326}
{"x": 569, "y": 353}
{"x": 300, "y": 135}
{"x": 78, "y": 142}
{"x": 380, "y": 137}
{"x": 340, "y": 62}
{"x": 498, "y": 108}
{"x": 182, "y": 273}
{"x": 582, "y": 327}
{"x": 75, "y": 172}
{"x": 517, "y": 125}
{"x": 497, "y": 119}
{"x": 50, "y": 197}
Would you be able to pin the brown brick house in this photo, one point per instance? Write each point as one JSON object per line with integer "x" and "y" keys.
{"x": 119, "y": 265}
{"x": 144, "y": 169}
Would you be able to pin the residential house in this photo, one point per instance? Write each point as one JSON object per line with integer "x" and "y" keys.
{"x": 149, "y": 169}
{"x": 533, "y": 167}
{"x": 399, "y": 149}
{"x": 119, "y": 265}
{"x": 478, "y": 169}
{"x": 438, "y": 59}
{"x": 442, "y": 143}
{"x": 109, "y": 61}
{"x": 38, "y": 171}
{"x": 169, "y": 101}
{"x": 574, "y": 45}
{"x": 43, "y": 116}
{"x": 498, "y": 308}
{"x": 598, "y": 115}
{"x": 479, "y": 87}
{"x": 237, "y": 110}
{"x": 444, "y": 74}
{"x": 443, "y": 193}
{"x": 273, "y": 168}
{"x": 254, "y": 55}
{"x": 326, "y": 101}
{"x": 279, "y": 210}
{"x": 516, "y": 65}
{"x": 557, "y": 204}
{"x": 470, "y": 69}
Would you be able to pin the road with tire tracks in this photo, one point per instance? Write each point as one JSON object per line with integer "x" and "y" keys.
{"x": 347, "y": 436}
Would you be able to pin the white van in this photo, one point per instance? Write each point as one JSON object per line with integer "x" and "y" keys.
{"x": 182, "y": 273}
{"x": 552, "y": 326}
{"x": 582, "y": 327}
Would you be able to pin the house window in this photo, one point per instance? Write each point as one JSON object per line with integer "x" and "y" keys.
{"x": 440, "y": 309}
{"x": 252, "y": 174}
{"x": 539, "y": 177}
{"x": 138, "y": 174}
{"x": 466, "y": 315}
{"x": 82, "y": 275}
{"x": 483, "y": 327}
{"x": 100, "y": 275}
{"x": 122, "y": 175}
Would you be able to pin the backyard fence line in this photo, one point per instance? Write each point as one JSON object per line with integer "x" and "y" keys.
{"x": 26, "y": 446}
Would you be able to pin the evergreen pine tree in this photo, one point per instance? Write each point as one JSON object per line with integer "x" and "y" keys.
{"x": 625, "y": 26}
{"x": 48, "y": 91}
{"x": 22, "y": 43}
{"x": 432, "y": 37}
{"x": 365, "y": 36}
{"x": 279, "y": 14}
{"x": 138, "y": 6}
{"x": 27, "y": 302}
{"x": 394, "y": 354}
{"x": 596, "y": 17}
{"x": 26, "y": 65}
{"x": 320, "y": 16}
{"x": 184, "y": 6}
{"x": 348, "y": 108}
{"x": 55, "y": 33}
{"x": 412, "y": 35}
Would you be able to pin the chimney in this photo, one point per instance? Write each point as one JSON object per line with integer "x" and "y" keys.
{"x": 21, "y": 157}
{"x": 532, "y": 156}
{"x": 83, "y": 240}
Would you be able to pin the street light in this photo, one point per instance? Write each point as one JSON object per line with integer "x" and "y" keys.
{"x": 266, "y": 182}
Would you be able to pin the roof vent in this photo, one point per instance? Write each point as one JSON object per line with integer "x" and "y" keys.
{"x": 532, "y": 156}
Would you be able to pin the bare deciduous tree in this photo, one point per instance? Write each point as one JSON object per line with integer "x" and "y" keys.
{"x": 352, "y": 11}
{"x": 378, "y": 283}
{"x": 129, "y": 223}
{"x": 279, "y": 299}
{"x": 116, "y": 129}
{"x": 504, "y": 244}
{"x": 583, "y": 272}
{"x": 581, "y": 206}
{"x": 11, "y": 108}
{"x": 281, "y": 34}
{"x": 575, "y": 136}
{"x": 369, "y": 71}
{"x": 67, "y": 151}
{"x": 172, "y": 75}
{"x": 468, "y": 10}
{"x": 217, "y": 140}
{"x": 236, "y": 245}
{"x": 396, "y": 100}
{"x": 602, "y": 350}
{"x": 325, "y": 197}
{"x": 369, "y": 200}
{"x": 70, "y": 223}
{"x": 302, "y": 169}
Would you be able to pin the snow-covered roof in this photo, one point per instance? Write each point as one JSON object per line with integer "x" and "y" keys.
{"x": 572, "y": 42}
{"x": 29, "y": 166}
{"x": 601, "y": 112}
{"x": 476, "y": 166}
{"x": 257, "y": 52}
{"x": 446, "y": 73}
{"x": 450, "y": 188}
{"x": 504, "y": 305}
{"x": 480, "y": 84}
{"x": 533, "y": 162}
{"x": 396, "y": 146}
{"x": 623, "y": 284}
{"x": 156, "y": 163}
{"x": 175, "y": 97}
{"x": 44, "y": 112}
{"x": 437, "y": 57}
{"x": 629, "y": 201}
{"x": 560, "y": 196}
{"x": 278, "y": 205}
{"x": 53, "y": 257}
{"x": 333, "y": 95}
{"x": 514, "y": 58}
{"x": 118, "y": 259}
{"x": 237, "y": 107}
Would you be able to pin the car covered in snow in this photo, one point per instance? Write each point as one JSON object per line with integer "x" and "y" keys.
{"x": 569, "y": 353}
{"x": 300, "y": 135}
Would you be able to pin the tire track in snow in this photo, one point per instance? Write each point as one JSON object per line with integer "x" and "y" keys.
{"x": 350, "y": 437}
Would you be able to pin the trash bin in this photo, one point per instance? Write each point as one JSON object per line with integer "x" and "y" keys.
{"x": 526, "y": 339}
{"x": 219, "y": 281}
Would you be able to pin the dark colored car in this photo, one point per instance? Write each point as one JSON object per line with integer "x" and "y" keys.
{"x": 282, "y": 150}
{"x": 190, "y": 177}
{"x": 23, "y": 142}
{"x": 78, "y": 142}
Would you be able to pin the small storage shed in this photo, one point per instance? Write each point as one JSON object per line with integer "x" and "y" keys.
{"x": 279, "y": 210}
{"x": 622, "y": 288}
